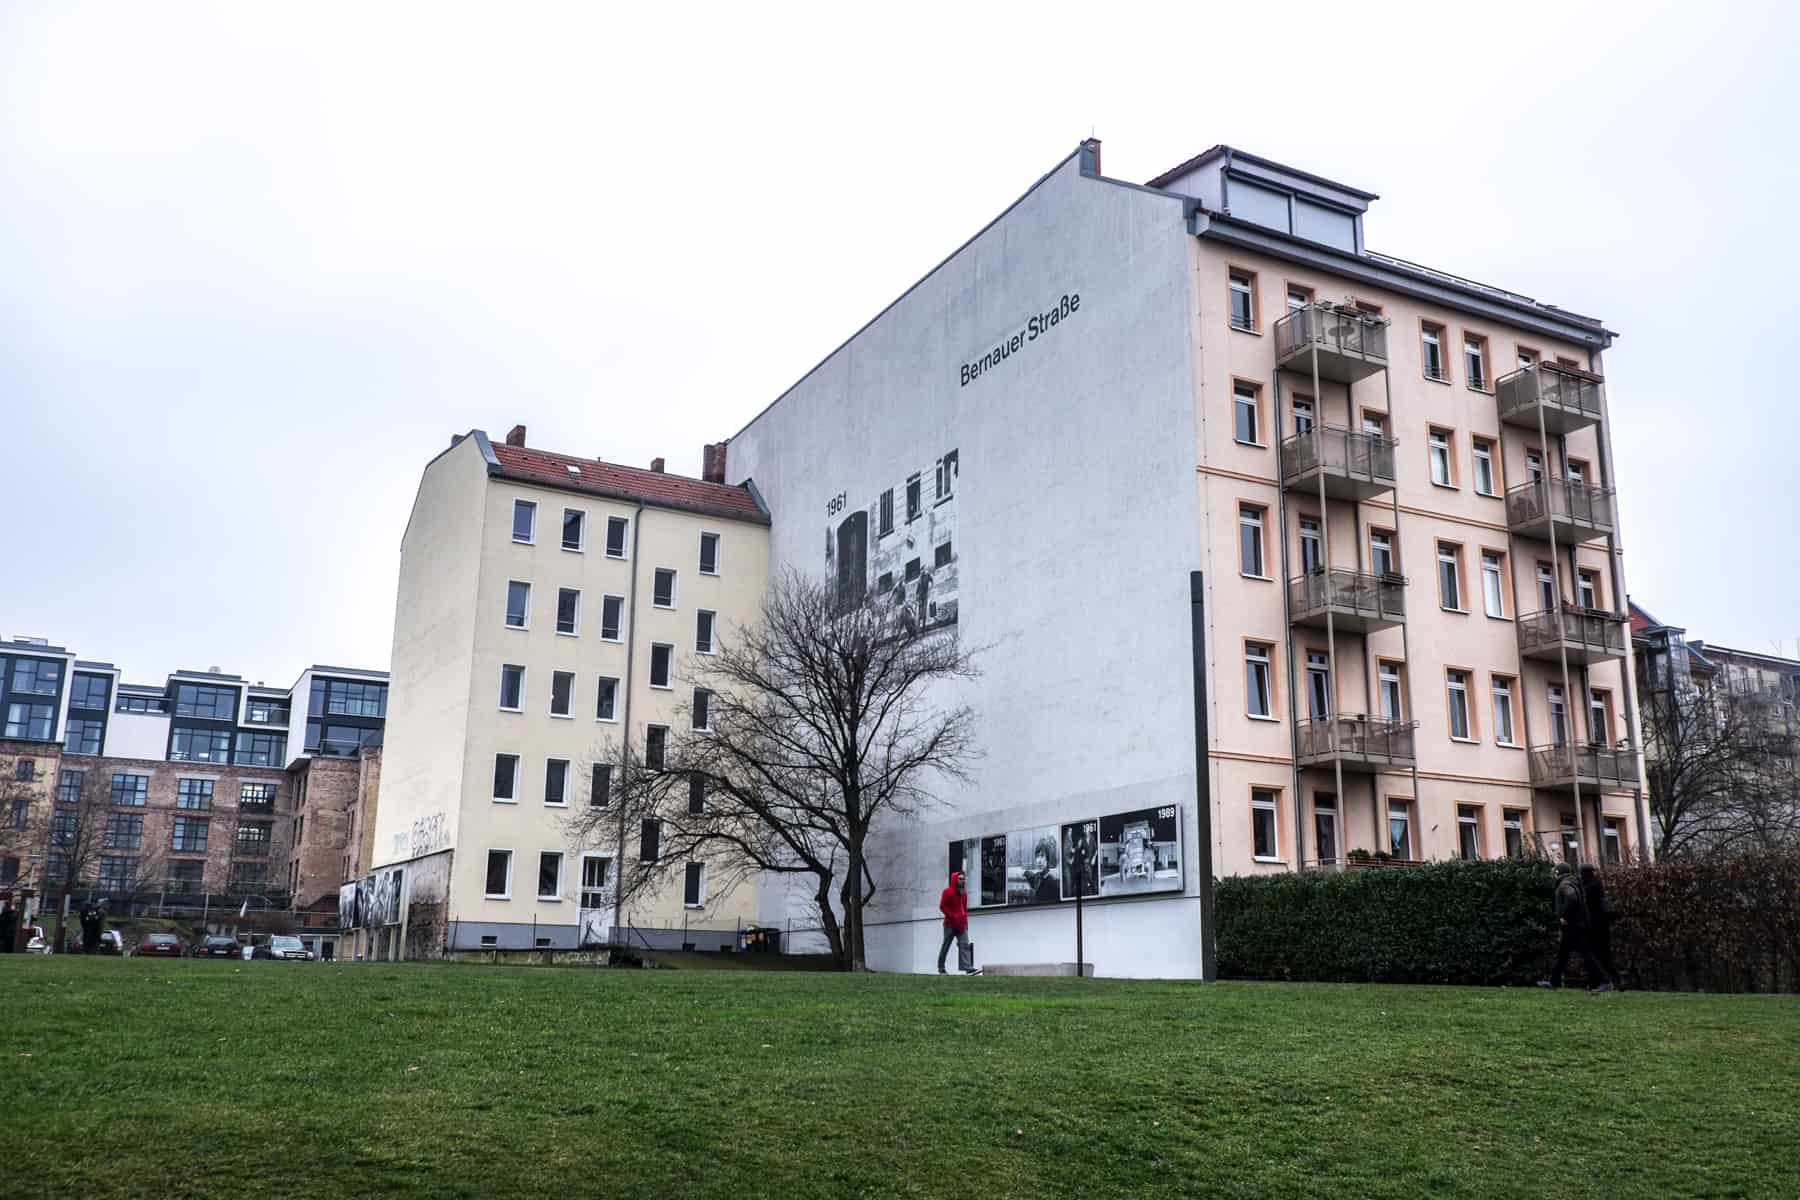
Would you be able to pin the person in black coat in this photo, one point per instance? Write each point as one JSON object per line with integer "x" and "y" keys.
{"x": 1572, "y": 921}
{"x": 1600, "y": 918}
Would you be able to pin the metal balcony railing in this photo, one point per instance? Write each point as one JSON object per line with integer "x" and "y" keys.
{"x": 1567, "y": 397}
{"x": 1355, "y": 465}
{"x": 1358, "y": 741}
{"x": 1595, "y": 766}
{"x": 1585, "y": 634}
{"x": 1577, "y": 509}
{"x": 1357, "y": 602}
{"x": 1350, "y": 343}
{"x": 266, "y": 716}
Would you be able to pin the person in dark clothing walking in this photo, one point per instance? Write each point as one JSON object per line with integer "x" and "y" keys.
{"x": 954, "y": 904}
{"x": 1600, "y": 918}
{"x": 1572, "y": 919}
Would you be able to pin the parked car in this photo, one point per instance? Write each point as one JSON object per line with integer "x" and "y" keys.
{"x": 217, "y": 946}
{"x": 286, "y": 945}
{"x": 111, "y": 942}
{"x": 161, "y": 945}
{"x": 35, "y": 942}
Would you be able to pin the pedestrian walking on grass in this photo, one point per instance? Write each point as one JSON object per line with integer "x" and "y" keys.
{"x": 1600, "y": 918}
{"x": 954, "y": 904}
{"x": 1572, "y": 920}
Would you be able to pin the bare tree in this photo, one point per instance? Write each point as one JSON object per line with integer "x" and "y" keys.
{"x": 1722, "y": 773}
{"x": 79, "y": 835}
{"x": 807, "y": 730}
{"x": 24, "y": 826}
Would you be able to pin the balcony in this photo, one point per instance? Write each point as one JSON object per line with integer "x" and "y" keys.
{"x": 1578, "y": 512}
{"x": 1565, "y": 398}
{"x": 1586, "y": 635}
{"x": 266, "y": 715}
{"x": 1561, "y": 767}
{"x": 1350, "y": 344}
{"x": 1356, "y": 743}
{"x": 1350, "y": 601}
{"x": 1350, "y": 465}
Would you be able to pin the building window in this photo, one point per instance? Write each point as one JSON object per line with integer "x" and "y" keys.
{"x": 594, "y": 872}
{"x": 9, "y": 870}
{"x": 1374, "y": 424}
{"x": 612, "y": 615}
{"x": 549, "y": 875}
{"x": 1318, "y": 685}
{"x": 556, "y": 782}
{"x": 1559, "y": 716}
{"x": 1450, "y": 576}
{"x": 662, "y": 664}
{"x": 562, "y": 693}
{"x": 662, "y": 593}
{"x": 1298, "y": 298}
{"x": 1475, "y": 361}
{"x": 600, "y": 790}
{"x": 90, "y": 691}
{"x": 1303, "y": 416}
{"x": 574, "y": 529}
{"x": 915, "y": 503}
{"x": 1242, "y": 287}
{"x": 616, "y": 528}
{"x": 568, "y": 611}
{"x": 189, "y": 834}
{"x": 194, "y": 794}
{"x": 31, "y": 722}
{"x": 1571, "y": 839}
{"x": 214, "y": 703}
{"x": 200, "y": 745}
{"x": 261, "y": 750}
{"x": 512, "y": 687}
{"x": 704, "y": 622}
{"x": 1575, "y": 470}
{"x": 1534, "y": 465}
{"x": 1244, "y": 403}
{"x": 253, "y": 837}
{"x": 1262, "y": 824}
{"x": 1513, "y": 825}
{"x": 1458, "y": 684}
{"x": 693, "y": 892}
{"x": 1503, "y": 715}
{"x": 117, "y": 874}
{"x": 606, "y": 700}
{"x": 1599, "y": 721}
{"x": 247, "y": 875}
{"x": 1381, "y": 552}
{"x": 701, "y": 710}
{"x": 1256, "y": 678}
{"x": 1312, "y": 556}
{"x": 68, "y": 787}
{"x": 1546, "y": 587}
{"x": 1439, "y": 441}
{"x": 650, "y": 841}
{"x": 709, "y": 554}
{"x": 696, "y": 795}
{"x": 1493, "y": 593}
{"x": 941, "y": 555}
{"x": 349, "y": 698}
{"x": 524, "y": 521}
{"x": 25, "y": 770}
{"x": 124, "y": 831}
{"x": 1431, "y": 339}
{"x": 1325, "y": 827}
{"x": 36, "y": 676}
{"x": 518, "y": 604}
{"x": 1400, "y": 829}
{"x": 1468, "y": 832}
{"x": 1392, "y": 705}
{"x": 1527, "y": 358}
{"x": 1587, "y": 589}
{"x": 1250, "y": 540}
{"x": 62, "y": 826}
{"x": 265, "y": 710}
{"x": 499, "y": 875}
{"x": 256, "y": 797}
{"x": 506, "y": 777}
{"x": 1612, "y": 841}
{"x": 21, "y": 813}
{"x": 885, "y": 520}
{"x": 130, "y": 790}
{"x": 185, "y": 877}
{"x": 1484, "y": 467}
{"x": 947, "y": 468}
{"x": 82, "y": 736}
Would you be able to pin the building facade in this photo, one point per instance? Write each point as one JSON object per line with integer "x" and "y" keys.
{"x": 1287, "y": 554}
{"x": 195, "y": 786}
{"x": 550, "y": 611}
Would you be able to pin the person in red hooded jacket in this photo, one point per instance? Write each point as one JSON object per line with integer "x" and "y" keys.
{"x": 954, "y": 904}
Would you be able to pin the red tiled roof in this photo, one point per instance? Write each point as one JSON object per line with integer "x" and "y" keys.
{"x": 616, "y": 482}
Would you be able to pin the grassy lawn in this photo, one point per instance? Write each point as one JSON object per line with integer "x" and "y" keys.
{"x": 145, "y": 1078}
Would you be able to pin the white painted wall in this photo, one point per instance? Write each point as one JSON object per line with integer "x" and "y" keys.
{"x": 1086, "y": 703}
{"x": 137, "y": 735}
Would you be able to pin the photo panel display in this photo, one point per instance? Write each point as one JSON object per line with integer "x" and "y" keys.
{"x": 1081, "y": 859}
{"x": 993, "y": 871}
{"x": 1031, "y": 866}
{"x": 1125, "y": 854}
{"x": 1140, "y": 852}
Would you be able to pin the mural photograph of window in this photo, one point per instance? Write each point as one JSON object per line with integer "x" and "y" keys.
{"x": 562, "y": 693}
{"x": 556, "y": 782}
{"x": 656, "y": 746}
{"x": 693, "y": 890}
{"x": 549, "y": 875}
{"x": 600, "y": 787}
{"x": 704, "y": 622}
{"x": 662, "y": 592}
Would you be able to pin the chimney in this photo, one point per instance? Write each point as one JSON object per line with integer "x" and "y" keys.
{"x": 456, "y": 440}
{"x": 656, "y": 464}
{"x": 1090, "y": 153}
{"x": 712, "y": 462}
{"x": 515, "y": 436}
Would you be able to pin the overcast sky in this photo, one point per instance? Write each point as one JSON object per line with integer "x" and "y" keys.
{"x": 258, "y": 264}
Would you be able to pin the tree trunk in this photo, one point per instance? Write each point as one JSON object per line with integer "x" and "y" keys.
{"x": 828, "y": 921}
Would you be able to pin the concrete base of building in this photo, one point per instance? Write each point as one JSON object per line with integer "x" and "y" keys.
{"x": 1065, "y": 969}
{"x": 534, "y": 958}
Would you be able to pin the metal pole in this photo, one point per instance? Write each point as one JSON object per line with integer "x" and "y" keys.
{"x": 1562, "y": 642}
{"x": 1287, "y": 614}
{"x": 1331, "y": 659}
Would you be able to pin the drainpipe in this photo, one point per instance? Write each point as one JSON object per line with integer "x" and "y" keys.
{"x": 637, "y": 525}
{"x": 1628, "y": 665}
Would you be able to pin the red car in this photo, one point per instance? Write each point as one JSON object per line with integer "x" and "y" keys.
{"x": 161, "y": 945}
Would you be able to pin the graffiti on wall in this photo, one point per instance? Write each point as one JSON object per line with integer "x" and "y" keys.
{"x": 430, "y": 834}
{"x": 899, "y": 549}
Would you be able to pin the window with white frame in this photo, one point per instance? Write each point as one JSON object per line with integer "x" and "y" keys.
{"x": 1587, "y": 589}
{"x": 612, "y": 617}
{"x": 1503, "y": 710}
{"x": 1264, "y": 842}
{"x": 656, "y": 746}
{"x": 1612, "y": 840}
{"x": 1450, "y": 575}
{"x": 693, "y": 890}
{"x": 1256, "y": 678}
{"x": 556, "y": 782}
{"x": 1546, "y": 587}
{"x": 1468, "y": 832}
{"x": 499, "y": 875}
{"x": 1242, "y": 288}
{"x": 1250, "y": 540}
{"x": 1493, "y": 590}
{"x": 1400, "y": 829}
{"x": 700, "y": 712}
{"x": 574, "y": 531}
{"x": 506, "y": 777}
{"x": 1312, "y": 546}
{"x": 1559, "y": 715}
{"x": 1439, "y": 441}
{"x": 650, "y": 841}
{"x": 1575, "y": 470}
{"x": 1431, "y": 341}
{"x": 549, "y": 875}
{"x": 1392, "y": 705}
{"x": 1318, "y": 685}
{"x": 1534, "y": 465}
{"x": 524, "y": 521}
{"x": 512, "y": 687}
{"x": 518, "y": 604}
{"x": 947, "y": 468}
{"x": 1298, "y": 298}
{"x": 1475, "y": 361}
{"x": 616, "y": 530}
{"x": 606, "y": 699}
{"x": 662, "y": 664}
{"x": 1374, "y": 424}
{"x": 568, "y": 611}
{"x": 1244, "y": 403}
{"x": 595, "y": 872}
{"x": 1325, "y": 827}
{"x": 1381, "y": 551}
{"x": 662, "y": 592}
{"x": 1513, "y": 826}
{"x": 1599, "y": 721}
{"x": 1457, "y": 685}
{"x": 696, "y": 795}
{"x": 1303, "y": 416}
{"x": 705, "y": 621}
{"x": 1527, "y": 358}
{"x": 1571, "y": 839}
{"x": 709, "y": 554}
{"x": 600, "y": 786}
{"x": 915, "y": 499}
{"x": 1483, "y": 451}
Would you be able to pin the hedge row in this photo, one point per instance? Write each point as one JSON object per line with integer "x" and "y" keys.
{"x": 1719, "y": 924}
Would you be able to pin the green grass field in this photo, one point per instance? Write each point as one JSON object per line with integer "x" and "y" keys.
{"x": 146, "y": 1078}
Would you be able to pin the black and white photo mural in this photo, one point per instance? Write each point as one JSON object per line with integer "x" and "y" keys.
{"x": 1124, "y": 854}
{"x": 899, "y": 549}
